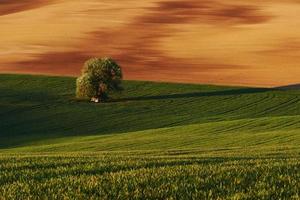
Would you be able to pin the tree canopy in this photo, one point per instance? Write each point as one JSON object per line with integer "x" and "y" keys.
{"x": 99, "y": 77}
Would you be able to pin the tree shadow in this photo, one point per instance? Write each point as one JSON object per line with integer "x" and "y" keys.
{"x": 289, "y": 87}
{"x": 195, "y": 94}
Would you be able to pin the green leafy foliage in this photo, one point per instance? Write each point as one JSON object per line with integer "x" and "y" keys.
{"x": 85, "y": 88}
{"x": 99, "y": 77}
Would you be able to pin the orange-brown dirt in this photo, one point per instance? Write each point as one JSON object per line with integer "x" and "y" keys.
{"x": 251, "y": 42}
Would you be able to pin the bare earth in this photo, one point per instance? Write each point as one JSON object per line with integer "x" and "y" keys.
{"x": 251, "y": 42}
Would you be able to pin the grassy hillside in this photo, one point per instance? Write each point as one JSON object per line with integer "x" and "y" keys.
{"x": 154, "y": 141}
{"x": 36, "y": 108}
{"x": 150, "y": 175}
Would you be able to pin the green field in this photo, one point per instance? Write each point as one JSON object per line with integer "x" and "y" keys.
{"x": 153, "y": 141}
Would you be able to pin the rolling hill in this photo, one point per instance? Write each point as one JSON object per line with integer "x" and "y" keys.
{"x": 43, "y": 110}
{"x": 153, "y": 141}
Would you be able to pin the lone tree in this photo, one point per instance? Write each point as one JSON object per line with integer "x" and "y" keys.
{"x": 99, "y": 77}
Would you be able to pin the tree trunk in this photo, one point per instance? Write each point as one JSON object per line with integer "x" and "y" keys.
{"x": 101, "y": 92}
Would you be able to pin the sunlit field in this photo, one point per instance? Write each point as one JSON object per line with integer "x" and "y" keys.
{"x": 209, "y": 106}
{"x": 151, "y": 175}
{"x": 252, "y": 43}
{"x": 156, "y": 141}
